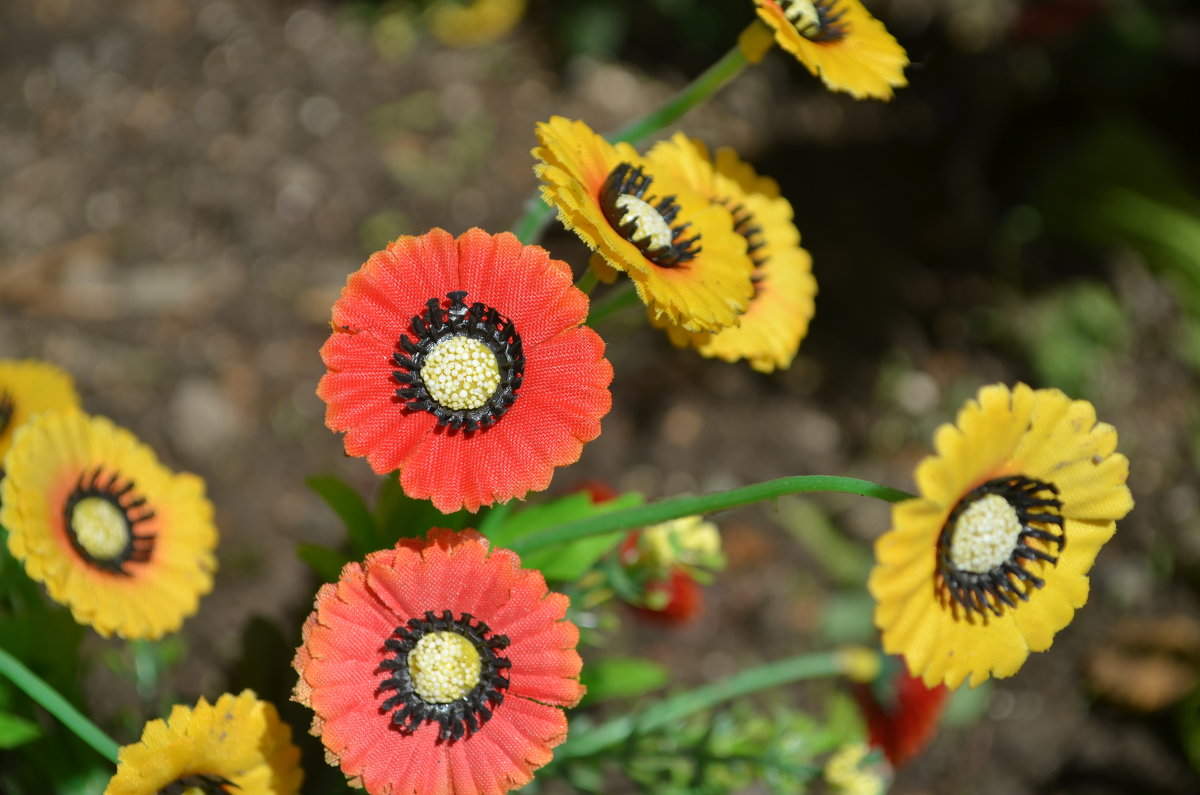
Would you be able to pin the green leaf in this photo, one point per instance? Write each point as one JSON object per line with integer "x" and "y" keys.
{"x": 350, "y": 508}
{"x": 326, "y": 562}
{"x": 15, "y": 731}
{"x": 621, "y": 677}
{"x": 400, "y": 516}
{"x": 570, "y": 560}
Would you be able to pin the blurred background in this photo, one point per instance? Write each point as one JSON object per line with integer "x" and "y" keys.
{"x": 186, "y": 184}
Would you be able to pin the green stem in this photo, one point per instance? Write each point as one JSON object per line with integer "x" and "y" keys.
{"x": 700, "y": 89}
{"x": 616, "y": 299}
{"x": 537, "y": 215}
{"x": 676, "y": 507}
{"x": 587, "y": 281}
{"x": 588, "y": 741}
{"x": 50, "y": 699}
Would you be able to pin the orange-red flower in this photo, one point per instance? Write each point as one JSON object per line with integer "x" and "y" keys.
{"x": 439, "y": 667}
{"x": 463, "y": 364}
{"x": 901, "y": 712}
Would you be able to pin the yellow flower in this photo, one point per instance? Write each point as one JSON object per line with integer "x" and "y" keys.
{"x": 846, "y": 775}
{"x": 467, "y": 24}
{"x": 687, "y": 541}
{"x": 686, "y": 261}
{"x": 237, "y": 745}
{"x": 28, "y": 386}
{"x": 992, "y": 558}
{"x": 114, "y": 535}
{"x": 777, "y": 317}
{"x": 840, "y": 42}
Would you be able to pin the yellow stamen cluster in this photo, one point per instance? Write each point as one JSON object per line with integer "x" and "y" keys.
{"x": 100, "y": 527}
{"x": 803, "y": 14}
{"x": 461, "y": 373}
{"x": 444, "y": 667}
{"x": 985, "y": 534}
{"x": 690, "y": 541}
{"x": 651, "y": 226}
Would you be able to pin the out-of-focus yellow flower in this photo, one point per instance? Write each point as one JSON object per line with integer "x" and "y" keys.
{"x": 469, "y": 23}
{"x": 689, "y": 541}
{"x": 846, "y": 776}
{"x": 29, "y": 386}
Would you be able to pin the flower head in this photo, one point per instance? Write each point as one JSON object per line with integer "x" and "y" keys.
{"x": 686, "y": 261}
{"x": 237, "y": 744}
{"x": 462, "y": 363}
{"x": 840, "y": 42}
{"x": 118, "y": 538}
{"x": 28, "y": 386}
{"x": 475, "y": 22}
{"x": 439, "y": 666}
{"x": 901, "y": 712}
{"x": 846, "y": 773}
{"x": 777, "y": 317}
{"x": 992, "y": 558}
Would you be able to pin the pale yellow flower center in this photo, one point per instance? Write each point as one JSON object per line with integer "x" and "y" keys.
{"x": 100, "y": 528}
{"x": 461, "y": 373}
{"x": 649, "y": 223}
{"x": 803, "y": 14}
{"x": 444, "y": 667}
{"x": 985, "y": 534}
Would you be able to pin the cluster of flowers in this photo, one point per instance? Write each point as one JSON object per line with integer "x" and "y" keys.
{"x": 463, "y": 364}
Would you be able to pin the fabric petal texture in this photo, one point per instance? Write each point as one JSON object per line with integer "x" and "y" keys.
{"x": 688, "y": 264}
{"x": 776, "y": 318}
{"x": 122, "y": 541}
{"x": 463, "y": 363}
{"x": 991, "y": 559}
{"x": 439, "y": 666}
{"x": 236, "y": 744}
{"x": 839, "y": 42}
{"x": 28, "y": 387}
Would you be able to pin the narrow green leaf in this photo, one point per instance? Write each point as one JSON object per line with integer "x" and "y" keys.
{"x": 326, "y": 562}
{"x": 350, "y": 508}
{"x": 621, "y": 677}
{"x": 15, "y": 731}
{"x": 400, "y": 516}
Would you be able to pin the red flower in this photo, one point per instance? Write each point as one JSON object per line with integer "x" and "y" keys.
{"x": 904, "y": 722}
{"x": 681, "y": 597}
{"x": 439, "y": 667}
{"x": 463, "y": 364}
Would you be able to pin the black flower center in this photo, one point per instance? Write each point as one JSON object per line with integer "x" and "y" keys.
{"x": 746, "y": 225}
{"x": 444, "y": 670}
{"x": 102, "y": 515}
{"x": 461, "y": 363}
{"x": 209, "y": 785}
{"x": 991, "y": 541}
{"x": 818, "y": 21}
{"x": 644, "y": 221}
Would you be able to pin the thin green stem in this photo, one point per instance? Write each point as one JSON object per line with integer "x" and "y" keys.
{"x": 588, "y": 741}
{"x": 676, "y": 507}
{"x": 530, "y": 226}
{"x": 587, "y": 281}
{"x": 616, "y": 299}
{"x": 50, "y": 699}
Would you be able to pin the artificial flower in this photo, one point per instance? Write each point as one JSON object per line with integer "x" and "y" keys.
{"x": 121, "y": 540}
{"x": 28, "y": 386}
{"x": 991, "y": 560}
{"x": 846, "y": 773}
{"x": 236, "y": 745}
{"x": 475, "y": 22}
{"x": 439, "y": 666}
{"x": 901, "y": 712}
{"x": 463, "y": 364}
{"x": 777, "y": 317}
{"x": 840, "y": 42}
{"x": 686, "y": 260}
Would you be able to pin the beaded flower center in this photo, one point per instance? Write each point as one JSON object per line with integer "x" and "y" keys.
{"x": 648, "y": 223}
{"x": 104, "y": 518}
{"x": 461, "y": 373}
{"x": 985, "y": 534}
{"x": 643, "y": 221}
{"x": 444, "y": 670}
{"x": 444, "y": 667}
{"x": 992, "y": 542}
{"x": 463, "y": 363}
{"x": 100, "y": 527}
{"x": 199, "y": 784}
{"x": 816, "y": 20}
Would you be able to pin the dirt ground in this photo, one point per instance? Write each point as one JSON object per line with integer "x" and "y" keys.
{"x": 186, "y": 184}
